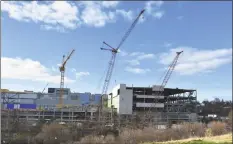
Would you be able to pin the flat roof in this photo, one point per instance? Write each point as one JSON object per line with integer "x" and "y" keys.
{"x": 167, "y": 91}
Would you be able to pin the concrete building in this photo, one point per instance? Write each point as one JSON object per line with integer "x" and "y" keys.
{"x": 176, "y": 103}
{"x": 48, "y": 100}
{"x": 31, "y": 106}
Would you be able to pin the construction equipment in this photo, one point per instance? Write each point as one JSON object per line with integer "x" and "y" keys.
{"x": 114, "y": 51}
{"x": 165, "y": 80}
{"x": 170, "y": 70}
{"x": 62, "y": 70}
{"x": 45, "y": 88}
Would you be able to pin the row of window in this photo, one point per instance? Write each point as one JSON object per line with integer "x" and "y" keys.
{"x": 76, "y": 97}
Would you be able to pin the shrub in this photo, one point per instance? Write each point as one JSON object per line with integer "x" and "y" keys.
{"x": 185, "y": 130}
{"x": 21, "y": 139}
{"x": 193, "y": 129}
{"x": 208, "y": 132}
{"x": 229, "y": 121}
{"x": 53, "y": 134}
{"x": 218, "y": 128}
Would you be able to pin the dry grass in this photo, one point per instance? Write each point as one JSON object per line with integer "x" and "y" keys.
{"x": 132, "y": 136}
{"x": 186, "y": 130}
{"x": 227, "y": 138}
{"x": 52, "y": 134}
{"x": 218, "y": 128}
{"x": 109, "y": 139}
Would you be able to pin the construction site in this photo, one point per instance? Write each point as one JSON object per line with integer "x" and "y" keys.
{"x": 122, "y": 106}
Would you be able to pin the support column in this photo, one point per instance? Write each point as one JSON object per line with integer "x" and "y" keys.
{"x": 72, "y": 115}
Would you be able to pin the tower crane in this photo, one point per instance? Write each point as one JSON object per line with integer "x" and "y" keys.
{"x": 170, "y": 70}
{"x": 166, "y": 78}
{"x": 62, "y": 70}
{"x": 114, "y": 51}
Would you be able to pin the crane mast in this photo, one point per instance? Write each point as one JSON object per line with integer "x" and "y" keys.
{"x": 62, "y": 70}
{"x": 114, "y": 51}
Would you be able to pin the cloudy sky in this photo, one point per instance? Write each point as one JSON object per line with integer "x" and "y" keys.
{"x": 35, "y": 35}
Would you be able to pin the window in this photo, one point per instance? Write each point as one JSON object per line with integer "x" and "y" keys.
{"x": 65, "y": 92}
{"x": 51, "y": 90}
{"x": 118, "y": 92}
{"x": 92, "y": 97}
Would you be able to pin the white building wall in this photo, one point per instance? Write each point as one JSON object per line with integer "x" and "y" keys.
{"x": 27, "y": 96}
{"x": 116, "y": 103}
{"x": 26, "y": 101}
{"x": 123, "y": 102}
{"x": 126, "y": 100}
{"x": 114, "y": 98}
{"x": 30, "y": 96}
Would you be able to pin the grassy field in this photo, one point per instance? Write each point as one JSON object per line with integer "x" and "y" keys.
{"x": 223, "y": 139}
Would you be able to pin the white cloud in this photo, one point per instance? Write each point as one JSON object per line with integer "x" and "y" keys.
{"x": 145, "y": 56}
{"x": 49, "y": 27}
{"x": 138, "y": 56}
{"x": 109, "y": 4}
{"x": 54, "y": 69}
{"x": 81, "y": 74}
{"x": 52, "y": 13}
{"x": 133, "y": 62}
{"x": 93, "y": 14}
{"x": 73, "y": 70}
{"x": 122, "y": 52}
{"x": 27, "y": 69}
{"x": 195, "y": 60}
{"x": 153, "y": 8}
{"x": 158, "y": 14}
{"x": 137, "y": 70}
{"x": 62, "y": 15}
{"x": 136, "y": 53}
{"x": 141, "y": 55}
{"x": 128, "y": 15}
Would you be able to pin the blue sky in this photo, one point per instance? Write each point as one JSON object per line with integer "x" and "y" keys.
{"x": 35, "y": 35}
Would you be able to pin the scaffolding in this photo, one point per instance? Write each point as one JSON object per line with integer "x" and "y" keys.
{"x": 179, "y": 105}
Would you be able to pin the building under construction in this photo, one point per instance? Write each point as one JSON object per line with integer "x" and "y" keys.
{"x": 171, "y": 104}
{"x": 126, "y": 100}
{"x": 157, "y": 104}
{"x": 178, "y": 104}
